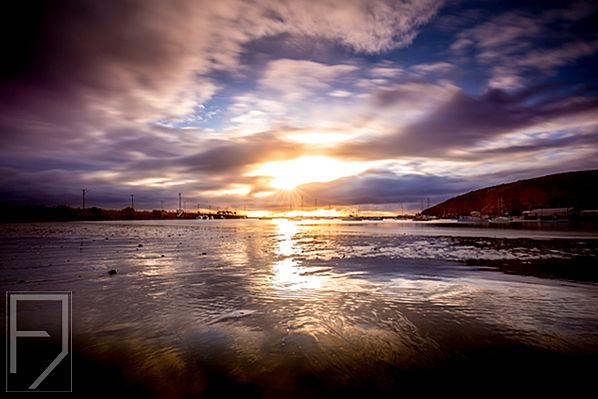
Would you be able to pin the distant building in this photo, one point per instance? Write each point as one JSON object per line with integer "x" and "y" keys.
{"x": 548, "y": 213}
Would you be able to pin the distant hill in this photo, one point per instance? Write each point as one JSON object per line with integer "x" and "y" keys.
{"x": 572, "y": 189}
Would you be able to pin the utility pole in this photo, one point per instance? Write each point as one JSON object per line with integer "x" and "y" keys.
{"x": 84, "y": 191}
{"x": 162, "y": 204}
{"x": 301, "y": 205}
{"x": 132, "y": 203}
{"x": 180, "y": 202}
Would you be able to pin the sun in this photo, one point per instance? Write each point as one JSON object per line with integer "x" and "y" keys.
{"x": 287, "y": 175}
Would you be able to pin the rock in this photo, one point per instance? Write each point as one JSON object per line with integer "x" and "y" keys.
{"x": 112, "y": 272}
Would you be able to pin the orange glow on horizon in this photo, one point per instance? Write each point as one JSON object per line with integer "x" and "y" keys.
{"x": 320, "y": 213}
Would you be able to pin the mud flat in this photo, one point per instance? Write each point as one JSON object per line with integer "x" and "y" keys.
{"x": 280, "y": 309}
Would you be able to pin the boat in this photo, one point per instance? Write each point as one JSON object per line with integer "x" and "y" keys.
{"x": 423, "y": 218}
{"x": 473, "y": 217}
{"x": 505, "y": 218}
{"x": 528, "y": 222}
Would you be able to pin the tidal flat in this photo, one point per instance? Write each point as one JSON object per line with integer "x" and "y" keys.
{"x": 312, "y": 309}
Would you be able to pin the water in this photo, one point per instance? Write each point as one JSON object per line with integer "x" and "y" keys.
{"x": 313, "y": 309}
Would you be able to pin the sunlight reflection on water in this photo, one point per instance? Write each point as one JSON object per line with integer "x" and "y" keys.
{"x": 275, "y": 304}
{"x": 288, "y": 274}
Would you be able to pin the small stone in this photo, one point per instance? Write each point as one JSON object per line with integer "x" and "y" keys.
{"x": 140, "y": 245}
{"x": 203, "y": 253}
{"x": 112, "y": 272}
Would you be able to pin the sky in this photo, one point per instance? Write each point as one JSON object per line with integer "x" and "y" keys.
{"x": 264, "y": 105}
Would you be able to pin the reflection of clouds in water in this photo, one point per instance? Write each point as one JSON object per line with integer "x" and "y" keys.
{"x": 520, "y": 306}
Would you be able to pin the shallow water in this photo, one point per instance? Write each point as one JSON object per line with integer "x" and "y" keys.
{"x": 302, "y": 309}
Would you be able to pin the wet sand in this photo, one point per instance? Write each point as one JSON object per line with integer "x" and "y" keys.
{"x": 281, "y": 310}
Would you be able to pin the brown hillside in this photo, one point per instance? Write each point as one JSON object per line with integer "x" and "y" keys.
{"x": 572, "y": 189}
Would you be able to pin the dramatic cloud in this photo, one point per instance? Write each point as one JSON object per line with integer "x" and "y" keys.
{"x": 225, "y": 101}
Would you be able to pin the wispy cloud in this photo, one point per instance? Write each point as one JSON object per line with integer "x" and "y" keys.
{"x": 195, "y": 97}
{"x": 516, "y": 44}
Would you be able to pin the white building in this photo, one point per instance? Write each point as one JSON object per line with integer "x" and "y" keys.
{"x": 548, "y": 213}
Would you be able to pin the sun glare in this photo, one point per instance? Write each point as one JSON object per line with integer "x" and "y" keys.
{"x": 287, "y": 175}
